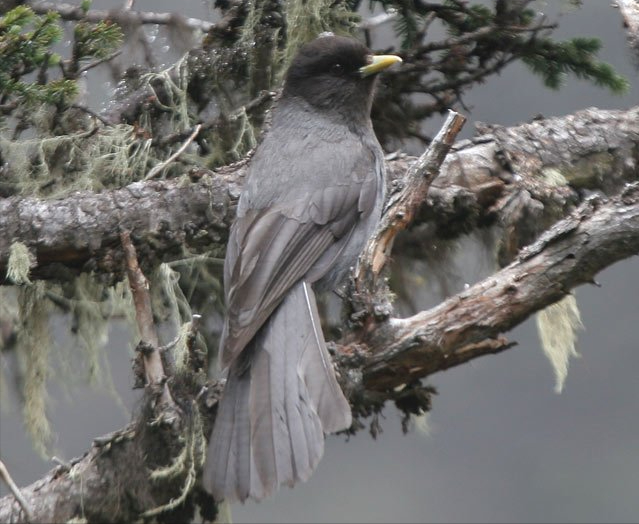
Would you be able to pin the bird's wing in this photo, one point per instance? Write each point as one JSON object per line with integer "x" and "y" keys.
{"x": 271, "y": 249}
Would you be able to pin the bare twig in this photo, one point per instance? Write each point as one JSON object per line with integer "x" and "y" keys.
{"x": 159, "y": 167}
{"x": 6, "y": 477}
{"x": 480, "y": 33}
{"x": 153, "y": 368}
{"x": 74, "y": 12}
{"x": 91, "y": 113}
{"x": 403, "y": 205}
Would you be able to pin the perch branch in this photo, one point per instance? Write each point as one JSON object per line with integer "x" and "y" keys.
{"x": 469, "y": 324}
{"x": 546, "y": 161}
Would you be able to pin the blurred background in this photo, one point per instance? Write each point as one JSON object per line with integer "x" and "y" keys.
{"x": 499, "y": 444}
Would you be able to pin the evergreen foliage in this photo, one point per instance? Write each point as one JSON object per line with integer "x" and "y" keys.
{"x": 26, "y": 42}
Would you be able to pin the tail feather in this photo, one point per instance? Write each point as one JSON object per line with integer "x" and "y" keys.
{"x": 272, "y": 418}
{"x": 225, "y": 466}
{"x": 269, "y": 435}
{"x": 319, "y": 375}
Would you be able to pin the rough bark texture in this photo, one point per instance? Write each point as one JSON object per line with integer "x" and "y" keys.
{"x": 630, "y": 13}
{"x": 82, "y": 231}
{"x": 526, "y": 175}
{"x": 461, "y": 328}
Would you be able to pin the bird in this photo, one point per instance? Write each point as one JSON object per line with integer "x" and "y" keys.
{"x": 313, "y": 195}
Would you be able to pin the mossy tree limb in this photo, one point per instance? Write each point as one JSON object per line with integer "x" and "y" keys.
{"x": 504, "y": 175}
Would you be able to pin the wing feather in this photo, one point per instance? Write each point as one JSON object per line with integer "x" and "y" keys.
{"x": 275, "y": 247}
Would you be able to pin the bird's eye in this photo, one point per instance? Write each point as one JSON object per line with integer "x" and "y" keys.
{"x": 337, "y": 69}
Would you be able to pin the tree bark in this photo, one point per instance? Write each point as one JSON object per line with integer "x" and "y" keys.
{"x": 469, "y": 324}
{"x": 630, "y": 13}
{"x": 540, "y": 170}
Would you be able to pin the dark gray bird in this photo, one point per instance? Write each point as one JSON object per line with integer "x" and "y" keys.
{"x": 313, "y": 196}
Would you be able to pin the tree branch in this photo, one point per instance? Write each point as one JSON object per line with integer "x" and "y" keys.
{"x": 506, "y": 175}
{"x": 6, "y": 477}
{"x": 402, "y": 206}
{"x": 75, "y": 12}
{"x": 461, "y": 328}
{"x": 155, "y": 379}
{"x": 497, "y": 174}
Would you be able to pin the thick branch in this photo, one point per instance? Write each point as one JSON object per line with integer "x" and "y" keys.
{"x": 506, "y": 173}
{"x": 91, "y": 488}
{"x": 82, "y": 230}
{"x": 596, "y": 236}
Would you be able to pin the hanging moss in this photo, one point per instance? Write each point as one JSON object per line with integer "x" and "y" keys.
{"x": 91, "y": 314}
{"x": 19, "y": 263}
{"x": 91, "y": 307}
{"x": 187, "y": 464}
{"x": 8, "y": 329}
{"x": 557, "y": 326}
{"x": 33, "y": 345}
{"x": 170, "y": 306}
{"x": 54, "y": 166}
{"x": 169, "y": 88}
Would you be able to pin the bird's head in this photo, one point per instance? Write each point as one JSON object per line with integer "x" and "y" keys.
{"x": 336, "y": 72}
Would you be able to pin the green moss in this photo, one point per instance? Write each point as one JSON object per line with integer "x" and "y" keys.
{"x": 54, "y": 166}
{"x": 33, "y": 346}
{"x": 19, "y": 263}
{"x": 589, "y": 171}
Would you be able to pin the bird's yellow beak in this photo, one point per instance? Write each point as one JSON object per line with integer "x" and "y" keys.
{"x": 378, "y": 63}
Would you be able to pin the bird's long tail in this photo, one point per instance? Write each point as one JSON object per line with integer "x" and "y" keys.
{"x": 274, "y": 413}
